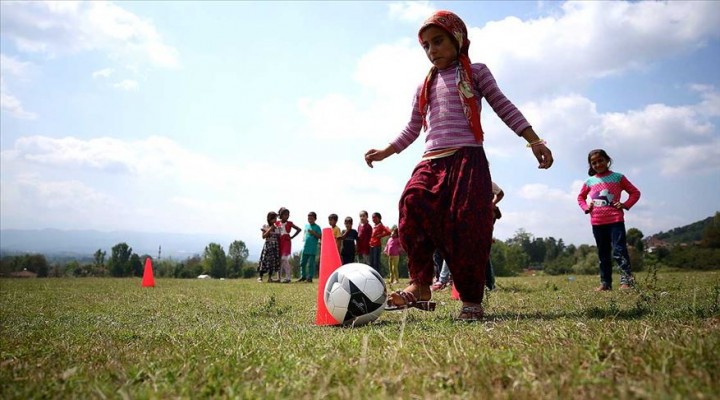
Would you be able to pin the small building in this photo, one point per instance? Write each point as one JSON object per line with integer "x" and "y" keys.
{"x": 23, "y": 274}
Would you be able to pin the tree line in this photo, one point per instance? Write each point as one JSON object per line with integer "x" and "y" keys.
{"x": 510, "y": 257}
{"x": 123, "y": 262}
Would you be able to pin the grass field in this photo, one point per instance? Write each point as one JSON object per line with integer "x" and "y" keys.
{"x": 544, "y": 337}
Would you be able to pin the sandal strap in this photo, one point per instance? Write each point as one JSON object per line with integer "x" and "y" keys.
{"x": 471, "y": 313}
{"x": 407, "y": 297}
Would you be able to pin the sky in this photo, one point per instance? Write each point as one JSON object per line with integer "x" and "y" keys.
{"x": 200, "y": 117}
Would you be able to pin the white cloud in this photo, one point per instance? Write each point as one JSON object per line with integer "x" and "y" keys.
{"x": 412, "y": 11}
{"x": 65, "y": 194}
{"x": 11, "y": 67}
{"x": 54, "y": 28}
{"x": 657, "y": 122}
{"x": 127, "y": 85}
{"x": 674, "y": 140}
{"x": 572, "y": 117}
{"x": 156, "y": 184}
{"x": 388, "y": 75}
{"x": 156, "y": 156}
{"x": 657, "y": 137}
{"x": 710, "y": 106}
{"x": 103, "y": 73}
{"x": 389, "y": 69}
{"x": 538, "y": 191}
{"x": 589, "y": 40}
{"x": 12, "y": 105}
{"x": 692, "y": 159}
{"x": 30, "y": 200}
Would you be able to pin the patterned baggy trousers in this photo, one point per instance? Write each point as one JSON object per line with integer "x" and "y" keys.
{"x": 447, "y": 205}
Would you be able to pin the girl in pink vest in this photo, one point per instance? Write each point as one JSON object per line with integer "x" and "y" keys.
{"x": 285, "y": 227}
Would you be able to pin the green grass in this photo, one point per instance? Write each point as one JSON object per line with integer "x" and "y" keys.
{"x": 544, "y": 337}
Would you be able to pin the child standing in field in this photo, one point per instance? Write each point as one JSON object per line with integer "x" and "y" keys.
{"x": 332, "y": 220}
{"x": 607, "y": 218}
{"x": 313, "y": 233}
{"x": 447, "y": 203}
{"x": 392, "y": 249}
{"x": 379, "y": 231}
{"x": 285, "y": 244}
{"x": 363, "y": 242}
{"x": 270, "y": 255}
{"x": 349, "y": 237}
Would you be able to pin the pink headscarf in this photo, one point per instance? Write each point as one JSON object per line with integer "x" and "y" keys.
{"x": 455, "y": 27}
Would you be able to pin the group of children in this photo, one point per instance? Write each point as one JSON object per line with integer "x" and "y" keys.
{"x": 361, "y": 245}
{"x": 447, "y": 204}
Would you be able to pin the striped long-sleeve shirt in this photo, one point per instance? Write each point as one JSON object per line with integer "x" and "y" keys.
{"x": 447, "y": 125}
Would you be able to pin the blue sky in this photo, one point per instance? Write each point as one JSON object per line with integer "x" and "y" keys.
{"x": 201, "y": 117}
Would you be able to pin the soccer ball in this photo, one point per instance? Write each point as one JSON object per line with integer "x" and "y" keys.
{"x": 355, "y": 294}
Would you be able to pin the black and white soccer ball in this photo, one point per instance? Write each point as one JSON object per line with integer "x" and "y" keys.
{"x": 355, "y": 294}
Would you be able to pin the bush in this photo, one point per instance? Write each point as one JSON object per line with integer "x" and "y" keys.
{"x": 637, "y": 261}
{"x": 561, "y": 265}
{"x": 587, "y": 265}
{"x": 691, "y": 257}
{"x": 248, "y": 271}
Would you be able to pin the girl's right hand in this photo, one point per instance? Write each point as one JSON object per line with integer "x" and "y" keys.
{"x": 378, "y": 155}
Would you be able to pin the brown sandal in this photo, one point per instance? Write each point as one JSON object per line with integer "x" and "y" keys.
{"x": 470, "y": 314}
{"x": 409, "y": 301}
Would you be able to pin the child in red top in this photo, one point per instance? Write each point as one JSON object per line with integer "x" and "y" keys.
{"x": 379, "y": 231}
{"x": 363, "y": 241}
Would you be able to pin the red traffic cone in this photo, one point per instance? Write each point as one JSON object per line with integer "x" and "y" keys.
{"x": 329, "y": 262}
{"x": 148, "y": 279}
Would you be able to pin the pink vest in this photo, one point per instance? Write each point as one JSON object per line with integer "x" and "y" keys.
{"x": 285, "y": 243}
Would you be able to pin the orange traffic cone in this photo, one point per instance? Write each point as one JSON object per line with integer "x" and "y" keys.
{"x": 454, "y": 294}
{"x": 329, "y": 262}
{"x": 148, "y": 279}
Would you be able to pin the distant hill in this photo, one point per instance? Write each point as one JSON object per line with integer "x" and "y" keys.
{"x": 84, "y": 243}
{"x": 685, "y": 234}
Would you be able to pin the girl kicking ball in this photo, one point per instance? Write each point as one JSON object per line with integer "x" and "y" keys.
{"x": 447, "y": 203}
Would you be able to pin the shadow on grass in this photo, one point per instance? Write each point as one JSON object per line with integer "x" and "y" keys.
{"x": 514, "y": 288}
{"x": 598, "y": 313}
{"x": 587, "y": 313}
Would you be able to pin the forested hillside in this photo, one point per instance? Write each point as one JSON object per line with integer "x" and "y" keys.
{"x": 685, "y": 234}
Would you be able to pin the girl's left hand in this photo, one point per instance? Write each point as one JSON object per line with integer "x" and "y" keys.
{"x": 543, "y": 155}
{"x": 618, "y": 205}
